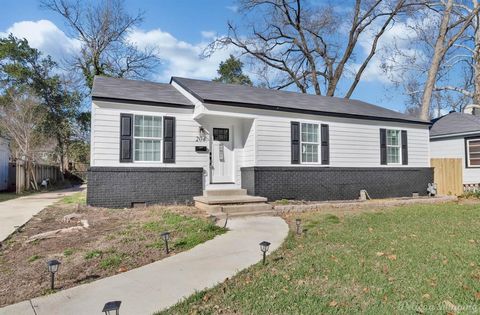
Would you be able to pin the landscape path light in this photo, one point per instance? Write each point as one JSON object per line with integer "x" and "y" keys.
{"x": 52, "y": 268}
{"x": 166, "y": 237}
{"x": 110, "y": 307}
{"x": 264, "y": 248}
{"x": 298, "y": 222}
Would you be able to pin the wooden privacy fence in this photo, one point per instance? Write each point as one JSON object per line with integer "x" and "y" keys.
{"x": 448, "y": 175}
{"x": 41, "y": 172}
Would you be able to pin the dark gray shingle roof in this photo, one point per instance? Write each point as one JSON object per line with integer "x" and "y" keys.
{"x": 241, "y": 95}
{"x": 123, "y": 89}
{"x": 455, "y": 123}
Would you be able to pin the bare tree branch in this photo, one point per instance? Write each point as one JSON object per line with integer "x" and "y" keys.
{"x": 103, "y": 30}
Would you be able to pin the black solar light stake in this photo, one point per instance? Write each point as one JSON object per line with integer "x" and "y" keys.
{"x": 264, "y": 248}
{"x": 109, "y": 307}
{"x": 166, "y": 237}
{"x": 298, "y": 222}
{"x": 53, "y": 268}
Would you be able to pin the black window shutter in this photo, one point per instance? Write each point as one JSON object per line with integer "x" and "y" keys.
{"x": 126, "y": 138}
{"x": 383, "y": 146}
{"x": 325, "y": 144}
{"x": 168, "y": 139}
{"x": 295, "y": 139}
{"x": 404, "y": 147}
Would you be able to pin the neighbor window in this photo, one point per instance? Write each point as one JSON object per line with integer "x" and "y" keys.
{"x": 473, "y": 151}
{"x": 393, "y": 146}
{"x": 310, "y": 141}
{"x": 148, "y": 138}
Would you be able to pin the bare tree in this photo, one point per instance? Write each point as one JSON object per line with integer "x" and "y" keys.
{"x": 21, "y": 117}
{"x": 305, "y": 44}
{"x": 466, "y": 52}
{"x": 103, "y": 27}
{"x": 448, "y": 34}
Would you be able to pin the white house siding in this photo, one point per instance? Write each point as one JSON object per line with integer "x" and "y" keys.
{"x": 4, "y": 157}
{"x": 249, "y": 148}
{"x": 105, "y": 135}
{"x": 455, "y": 148}
{"x": 353, "y": 142}
{"x": 262, "y": 137}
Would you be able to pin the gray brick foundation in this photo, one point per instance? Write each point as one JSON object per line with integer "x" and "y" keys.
{"x": 120, "y": 187}
{"x": 334, "y": 183}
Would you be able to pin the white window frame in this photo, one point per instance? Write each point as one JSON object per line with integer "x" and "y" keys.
{"x": 468, "y": 152}
{"x": 318, "y": 143}
{"x": 394, "y": 146}
{"x": 147, "y": 138}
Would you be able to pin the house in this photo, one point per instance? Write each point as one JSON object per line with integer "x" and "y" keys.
{"x": 163, "y": 143}
{"x": 4, "y": 159}
{"x": 457, "y": 135}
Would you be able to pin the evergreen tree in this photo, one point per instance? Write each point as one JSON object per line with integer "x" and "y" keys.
{"x": 230, "y": 71}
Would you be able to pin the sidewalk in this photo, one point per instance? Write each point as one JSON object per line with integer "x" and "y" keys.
{"x": 162, "y": 284}
{"x": 16, "y": 212}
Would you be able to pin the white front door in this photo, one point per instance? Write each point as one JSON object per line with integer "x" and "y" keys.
{"x": 222, "y": 164}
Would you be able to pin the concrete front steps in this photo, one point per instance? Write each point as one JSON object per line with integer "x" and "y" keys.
{"x": 232, "y": 203}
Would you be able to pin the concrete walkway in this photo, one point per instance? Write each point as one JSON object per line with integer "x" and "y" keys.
{"x": 16, "y": 212}
{"x": 162, "y": 284}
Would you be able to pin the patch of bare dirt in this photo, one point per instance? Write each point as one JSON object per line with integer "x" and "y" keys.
{"x": 114, "y": 241}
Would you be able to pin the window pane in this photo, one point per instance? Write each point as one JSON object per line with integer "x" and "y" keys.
{"x": 157, "y": 127}
{"x": 309, "y": 132}
{"x": 304, "y": 133}
{"x": 309, "y": 153}
{"x": 315, "y": 133}
{"x": 474, "y": 152}
{"x": 314, "y": 152}
{"x": 138, "y": 126}
{"x": 392, "y": 137}
{"x": 147, "y": 150}
{"x": 148, "y": 126}
{"x": 475, "y": 162}
{"x": 393, "y": 155}
{"x": 474, "y": 146}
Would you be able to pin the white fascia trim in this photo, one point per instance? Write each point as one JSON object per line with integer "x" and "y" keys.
{"x": 455, "y": 134}
{"x": 185, "y": 93}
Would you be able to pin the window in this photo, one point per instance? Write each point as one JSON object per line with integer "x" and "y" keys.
{"x": 220, "y": 134}
{"x": 148, "y": 138}
{"x": 473, "y": 151}
{"x": 393, "y": 146}
{"x": 310, "y": 140}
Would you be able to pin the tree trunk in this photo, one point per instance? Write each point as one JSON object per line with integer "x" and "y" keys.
{"x": 28, "y": 171}
{"x": 476, "y": 63}
{"x": 438, "y": 55}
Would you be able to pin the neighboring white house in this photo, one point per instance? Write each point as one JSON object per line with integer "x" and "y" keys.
{"x": 4, "y": 159}
{"x": 153, "y": 142}
{"x": 457, "y": 135}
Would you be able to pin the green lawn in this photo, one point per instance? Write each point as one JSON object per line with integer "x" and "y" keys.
{"x": 4, "y": 196}
{"x": 77, "y": 198}
{"x": 416, "y": 259}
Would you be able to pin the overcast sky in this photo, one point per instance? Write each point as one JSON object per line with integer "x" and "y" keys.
{"x": 180, "y": 29}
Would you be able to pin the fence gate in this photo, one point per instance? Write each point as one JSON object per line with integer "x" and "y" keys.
{"x": 448, "y": 175}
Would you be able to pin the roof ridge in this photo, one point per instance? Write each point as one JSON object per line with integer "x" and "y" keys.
{"x": 128, "y": 79}
{"x": 199, "y": 88}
